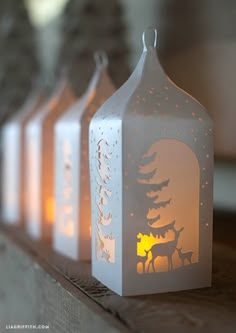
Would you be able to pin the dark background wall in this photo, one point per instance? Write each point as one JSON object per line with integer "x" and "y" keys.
{"x": 18, "y": 60}
{"x": 196, "y": 46}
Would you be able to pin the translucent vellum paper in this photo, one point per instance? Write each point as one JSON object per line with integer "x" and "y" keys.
{"x": 72, "y": 230}
{"x": 151, "y": 166}
{"x": 13, "y": 165}
{"x": 39, "y": 143}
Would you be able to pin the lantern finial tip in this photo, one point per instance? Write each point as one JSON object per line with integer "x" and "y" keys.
{"x": 101, "y": 59}
{"x": 147, "y": 40}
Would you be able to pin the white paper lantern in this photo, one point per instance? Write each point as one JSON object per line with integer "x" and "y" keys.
{"x": 40, "y": 162}
{"x": 151, "y": 160}
{"x": 72, "y": 230}
{"x": 13, "y": 154}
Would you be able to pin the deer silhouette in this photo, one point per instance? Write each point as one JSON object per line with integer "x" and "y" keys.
{"x": 106, "y": 255}
{"x": 184, "y": 256}
{"x": 164, "y": 250}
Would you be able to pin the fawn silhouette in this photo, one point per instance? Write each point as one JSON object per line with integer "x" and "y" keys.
{"x": 184, "y": 256}
{"x": 164, "y": 250}
{"x": 143, "y": 260}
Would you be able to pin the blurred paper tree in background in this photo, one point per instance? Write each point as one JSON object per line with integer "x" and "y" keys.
{"x": 18, "y": 64}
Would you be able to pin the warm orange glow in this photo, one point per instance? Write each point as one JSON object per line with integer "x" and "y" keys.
{"x": 66, "y": 225}
{"x": 50, "y": 210}
{"x": 172, "y": 207}
{"x": 145, "y": 243}
{"x": 139, "y": 267}
{"x": 67, "y": 228}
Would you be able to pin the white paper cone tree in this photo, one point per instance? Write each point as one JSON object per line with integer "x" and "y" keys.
{"x": 72, "y": 230}
{"x": 151, "y": 163}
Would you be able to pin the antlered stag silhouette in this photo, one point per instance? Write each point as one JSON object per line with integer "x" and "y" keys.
{"x": 164, "y": 250}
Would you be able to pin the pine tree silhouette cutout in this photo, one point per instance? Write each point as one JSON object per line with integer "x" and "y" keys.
{"x": 152, "y": 199}
{"x": 154, "y": 229}
{"x": 105, "y": 244}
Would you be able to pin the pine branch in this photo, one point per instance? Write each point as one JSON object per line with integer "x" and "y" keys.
{"x": 99, "y": 144}
{"x": 151, "y": 201}
{"x": 161, "y": 231}
{"x": 99, "y": 163}
{"x": 146, "y": 176}
{"x": 148, "y": 159}
{"x": 102, "y": 190}
{"x": 105, "y": 220}
{"x": 104, "y": 178}
{"x": 160, "y": 204}
{"x": 108, "y": 156}
{"x": 102, "y": 219}
{"x": 153, "y": 220}
{"x": 156, "y": 187}
{"x": 154, "y": 198}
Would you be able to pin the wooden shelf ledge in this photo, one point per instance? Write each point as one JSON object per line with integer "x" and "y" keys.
{"x": 38, "y": 286}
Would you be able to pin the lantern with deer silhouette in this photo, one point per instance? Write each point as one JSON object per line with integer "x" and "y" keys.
{"x": 72, "y": 228}
{"x": 151, "y": 164}
{"x": 157, "y": 247}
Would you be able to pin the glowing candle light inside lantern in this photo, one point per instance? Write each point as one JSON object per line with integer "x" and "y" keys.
{"x": 72, "y": 230}
{"x": 50, "y": 210}
{"x": 40, "y": 213}
{"x": 149, "y": 210}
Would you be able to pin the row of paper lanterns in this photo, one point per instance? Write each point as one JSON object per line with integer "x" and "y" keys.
{"x": 146, "y": 200}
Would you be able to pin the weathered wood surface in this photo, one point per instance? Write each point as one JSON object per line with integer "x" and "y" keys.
{"x": 32, "y": 291}
{"x": 61, "y": 292}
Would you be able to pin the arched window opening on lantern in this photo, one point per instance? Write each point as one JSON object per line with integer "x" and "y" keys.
{"x": 170, "y": 185}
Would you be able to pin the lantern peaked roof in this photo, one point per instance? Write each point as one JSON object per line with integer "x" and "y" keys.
{"x": 98, "y": 85}
{"x": 62, "y": 92}
{"x": 149, "y": 91}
